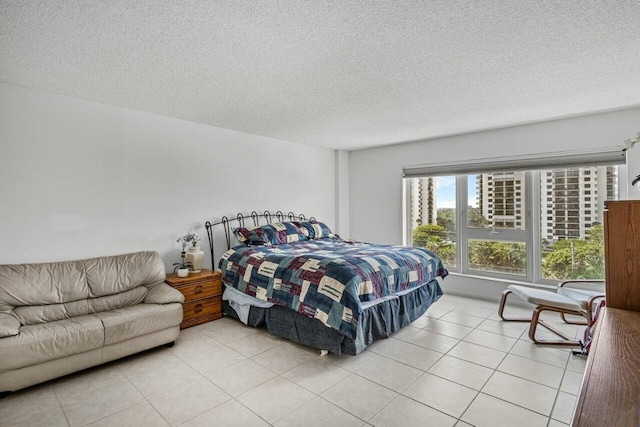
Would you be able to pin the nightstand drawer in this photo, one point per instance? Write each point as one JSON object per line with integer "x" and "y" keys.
{"x": 201, "y": 308}
{"x": 198, "y": 290}
{"x": 202, "y": 296}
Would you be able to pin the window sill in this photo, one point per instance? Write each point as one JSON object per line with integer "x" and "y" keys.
{"x": 504, "y": 281}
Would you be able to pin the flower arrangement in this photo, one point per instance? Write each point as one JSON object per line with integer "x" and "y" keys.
{"x": 192, "y": 238}
{"x": 184, "y": 241}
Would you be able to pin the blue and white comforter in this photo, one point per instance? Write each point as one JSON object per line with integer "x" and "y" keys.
{"x": 327, "y": 279}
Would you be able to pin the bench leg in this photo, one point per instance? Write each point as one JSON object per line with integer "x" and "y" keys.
{"x": 503, "y": 301}
{"x": 571, "y": 322}
{"x": 535, "y": 321}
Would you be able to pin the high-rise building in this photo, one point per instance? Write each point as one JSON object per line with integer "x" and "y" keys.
{"x": 572, "y": 200}
{"x": 423, "y": 201}
{"x": 500, "y": 197}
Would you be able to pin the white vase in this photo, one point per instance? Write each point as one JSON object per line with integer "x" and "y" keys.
{"x": 182, "y": 272}
{"x": 195, "y": 256}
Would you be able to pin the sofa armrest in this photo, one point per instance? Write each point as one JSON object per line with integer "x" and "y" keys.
{"x": 9, "y": 325}
{"x": 161, "y": 293}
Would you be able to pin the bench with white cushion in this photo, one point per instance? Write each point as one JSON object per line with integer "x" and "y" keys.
{"x": 573, "y": 297}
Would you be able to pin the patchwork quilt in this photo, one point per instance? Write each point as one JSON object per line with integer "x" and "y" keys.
{"x": 327, "y": 279}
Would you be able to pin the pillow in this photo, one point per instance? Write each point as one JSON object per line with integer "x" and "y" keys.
{"x": 250, "y": 237}
{"x": 270, "y": 234}
{"x": 317, "y": 230}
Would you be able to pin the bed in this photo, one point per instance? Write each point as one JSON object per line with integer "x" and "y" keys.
{"x": 304, "y": 283}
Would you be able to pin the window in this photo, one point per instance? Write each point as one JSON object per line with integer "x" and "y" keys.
{"x": 433, "y": 216}
{"x": 494, "y": 235}
{"x": 572, "y": 241}
{"x": 494, "y": 239}
{"x": 498, "y": 256}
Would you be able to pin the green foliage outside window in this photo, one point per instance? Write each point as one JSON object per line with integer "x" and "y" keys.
{"x": 434, "y": 238}
{"x": 575, "y": 258}
{"x": 475, "y": 218}
{"x": 502, "y": 257}
{"x": 564, "y": 259}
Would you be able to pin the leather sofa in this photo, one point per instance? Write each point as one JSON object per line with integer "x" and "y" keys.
{"x": 62, "y": 317}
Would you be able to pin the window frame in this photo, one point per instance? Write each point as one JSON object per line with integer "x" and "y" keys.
{"x": 466, "y": 233}
{"x": 531, "y": 235}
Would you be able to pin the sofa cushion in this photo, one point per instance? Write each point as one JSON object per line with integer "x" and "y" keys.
{"x": 114, "y": 274}
{"x": 53, "y": 340}
{"x": 9, "y": 325}
{"x": 40, "y": 284}
{"x": 141, "y": 319}
{"x": 163, "y": 294}
{"x": 31, "y": 315}
{"x": 53, "y": 291}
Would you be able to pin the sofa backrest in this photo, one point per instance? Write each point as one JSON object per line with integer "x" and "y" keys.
{"x": 37, "y": 293}
{"x": 110, "y": 275}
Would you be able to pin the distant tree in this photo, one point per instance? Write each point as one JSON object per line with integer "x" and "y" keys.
{"x": 596, "y": 234}
{"x": 446, "y": 224}
{"x": 432, "y": 237}
{"x": 557, "y": 264}
{"x": 475, "y": 218}
{"x": 505, "y": 257}
{"x": 448, "y": 213}
{"x": 447, "y": 218}
{"x": 424, "y": 233}
{"x": 447, "y": 253}
{"x": 575, "y": 258}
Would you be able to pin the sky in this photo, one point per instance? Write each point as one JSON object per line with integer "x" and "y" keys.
{"x": 446, "y": 191}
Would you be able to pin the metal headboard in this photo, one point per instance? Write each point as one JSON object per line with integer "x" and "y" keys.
{"x": 267, "y": 218}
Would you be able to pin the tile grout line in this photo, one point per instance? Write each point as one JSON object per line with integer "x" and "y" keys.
{"x": 66, "y": 417}
{"x": 494, "y": 372}
{"x": 565, "y": 371}
{"x": 146, "y": 399}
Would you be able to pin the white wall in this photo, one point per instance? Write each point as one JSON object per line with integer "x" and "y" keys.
{"x": 342, "y": 193}
{"x": 633, "y": 170}
{"x": 376, "y": 174}
{"x": 81, "y": 179}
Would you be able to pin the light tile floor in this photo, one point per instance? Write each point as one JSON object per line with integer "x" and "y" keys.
{"x": 458, "y": 365}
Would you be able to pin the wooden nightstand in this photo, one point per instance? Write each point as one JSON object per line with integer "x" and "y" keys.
{"x": 202, "y": 296}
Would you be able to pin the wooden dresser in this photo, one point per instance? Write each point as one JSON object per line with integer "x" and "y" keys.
{"x": 202, "y": 296}
{"x": 610, "y": 390}
{"x": 622, "y": 253}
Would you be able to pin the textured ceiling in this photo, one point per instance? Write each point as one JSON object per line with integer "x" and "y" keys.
{"x": 339, "y": 74}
